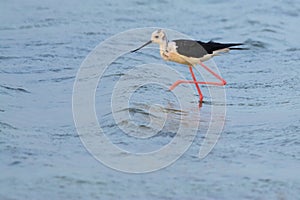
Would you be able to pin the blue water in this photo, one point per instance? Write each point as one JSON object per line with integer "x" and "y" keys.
{"x": 42, "y": 45}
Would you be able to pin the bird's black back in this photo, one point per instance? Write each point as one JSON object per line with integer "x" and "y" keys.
{"x": 198, "y": 49}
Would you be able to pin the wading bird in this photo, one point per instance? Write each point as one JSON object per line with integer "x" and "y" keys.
{"x": 190, "y": 53}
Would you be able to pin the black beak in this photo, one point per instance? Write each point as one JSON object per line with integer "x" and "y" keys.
{"x": 149, "y": 42}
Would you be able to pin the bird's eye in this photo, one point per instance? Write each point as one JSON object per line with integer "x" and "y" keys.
{"x": 156, "y": 36}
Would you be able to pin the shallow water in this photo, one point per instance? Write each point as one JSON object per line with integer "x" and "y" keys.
{"x": 42, "y": 45}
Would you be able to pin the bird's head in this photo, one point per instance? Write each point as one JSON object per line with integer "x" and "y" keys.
{"x": 158, "y": 37}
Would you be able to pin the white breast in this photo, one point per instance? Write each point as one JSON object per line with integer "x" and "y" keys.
{"x": 172, "y": 47}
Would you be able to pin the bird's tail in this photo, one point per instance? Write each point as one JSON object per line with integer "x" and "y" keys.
{"x": 237, "y": 48}
{"x": 213, "y": 46}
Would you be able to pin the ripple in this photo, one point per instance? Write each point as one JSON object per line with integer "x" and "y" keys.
{"x": 113, "y": 75}
{"x": 18, "y": 89}
{"x": 6, "y": 125}
{"x": 43, "y": 43}
{"x": 63, "y": 79}
{"x": 268, "y": 30}
{"x": 256, "y": 43}
{"x": 293, "y": 49}
{"x": 47, "y": 55}
{"x": 14, "y": 163}
{"x": 92, "y": 33}
{"x": 7, "y": 28}
{"x": 59, "y": 69}
{"x": 8, "y": 57}
{"x": 251, "y": 85}
{"x": 253, "y": 22}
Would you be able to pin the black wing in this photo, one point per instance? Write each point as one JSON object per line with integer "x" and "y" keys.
{"x": 198, "y": 49}
{"x": 190, "y": 48}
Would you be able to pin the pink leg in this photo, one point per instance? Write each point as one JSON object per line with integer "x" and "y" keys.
{"x": 222, "y": 83}
{"x": 190, "y": 81}
{"x": 196, "y": 84}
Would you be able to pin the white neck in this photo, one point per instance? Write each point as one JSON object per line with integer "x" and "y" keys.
{"x": 163, "y": 46}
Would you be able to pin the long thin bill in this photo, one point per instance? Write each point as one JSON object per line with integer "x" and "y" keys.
{"x": 149, "y": 42}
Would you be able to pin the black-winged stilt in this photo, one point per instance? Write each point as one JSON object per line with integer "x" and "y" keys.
{"x": 191, "y": 53}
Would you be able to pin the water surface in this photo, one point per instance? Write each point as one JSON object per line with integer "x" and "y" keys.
{"x": 43, "y": 43}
